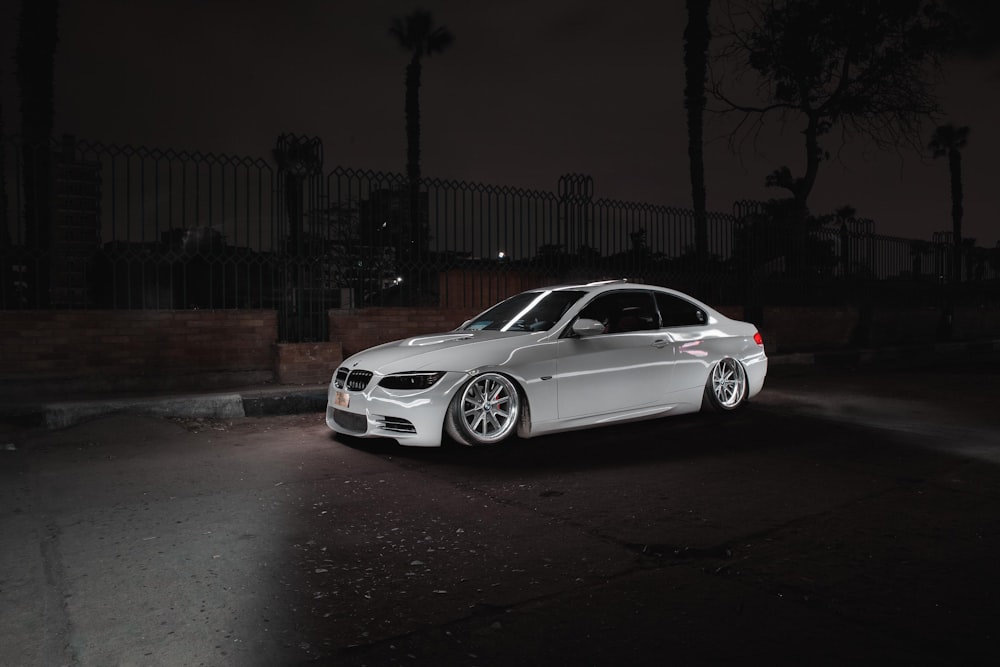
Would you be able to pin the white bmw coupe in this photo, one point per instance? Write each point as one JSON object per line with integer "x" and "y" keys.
{"x": 547, "y": 360}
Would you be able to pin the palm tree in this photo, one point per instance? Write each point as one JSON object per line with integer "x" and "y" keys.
{"x": 298, "y": 158}
{"x": 5, "y": 241}
{"x": 35, "y": 56}
{"x": 417, "y": 34}
{"x": 949, "y": 140}
{"x": 696, "y": 39}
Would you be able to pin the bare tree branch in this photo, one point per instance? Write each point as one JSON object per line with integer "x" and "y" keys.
{"x": 865, "y": 68}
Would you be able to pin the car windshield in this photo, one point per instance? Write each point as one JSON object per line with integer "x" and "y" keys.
{"x": 530, "y": 311}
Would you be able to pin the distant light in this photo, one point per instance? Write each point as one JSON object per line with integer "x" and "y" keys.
{"x": 398, "y": 280}
{"x": 501, "y": 254}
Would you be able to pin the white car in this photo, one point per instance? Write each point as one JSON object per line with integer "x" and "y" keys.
{"x": 548, "y": 360}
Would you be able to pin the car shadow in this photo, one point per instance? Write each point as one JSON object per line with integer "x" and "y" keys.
{"x": 681, "y": 437}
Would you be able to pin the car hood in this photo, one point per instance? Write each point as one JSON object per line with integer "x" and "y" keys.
{"x": 451, "y": 351}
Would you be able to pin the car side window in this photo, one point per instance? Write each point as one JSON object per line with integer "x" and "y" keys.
{"x": 621, "y": 311}
{"x": 678, "y": 312}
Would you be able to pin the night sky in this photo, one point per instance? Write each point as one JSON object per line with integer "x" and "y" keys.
{"x": 528, "y": 91}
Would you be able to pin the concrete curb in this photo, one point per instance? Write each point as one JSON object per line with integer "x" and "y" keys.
{"x": 291, "y": 403}
{"x": 61, "y": 415}
{"x": 222, "y": 405}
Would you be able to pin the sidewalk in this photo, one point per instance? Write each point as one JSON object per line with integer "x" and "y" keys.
{"x": 49, "y": 409}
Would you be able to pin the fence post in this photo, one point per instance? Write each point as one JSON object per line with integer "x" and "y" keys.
{"x": 576, "y": 193}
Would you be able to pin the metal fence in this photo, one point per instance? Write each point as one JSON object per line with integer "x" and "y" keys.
{"x": 92, "y": 225}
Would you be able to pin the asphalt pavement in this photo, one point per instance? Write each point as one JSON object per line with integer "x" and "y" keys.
{"x": 46, "y": 406}
{"x": 858, "y": 527}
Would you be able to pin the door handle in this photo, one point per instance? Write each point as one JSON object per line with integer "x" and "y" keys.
{"x": 659, "y": 343}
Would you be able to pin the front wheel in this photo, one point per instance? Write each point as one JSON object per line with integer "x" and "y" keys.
{"x": 726, "y": 389}
{"x": 485, "y": 410}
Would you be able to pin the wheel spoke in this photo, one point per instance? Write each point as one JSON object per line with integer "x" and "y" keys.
{"x": 491, "y": 420}
{"x": 487, "y": 409}
{"x": 728, "y": 383}
{"x": 476, "y": 422}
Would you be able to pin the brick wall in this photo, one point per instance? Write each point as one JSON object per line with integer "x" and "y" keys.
{"x": 972, "y": 322}
{"x": 798, "y": 328}
{"x": 307, "y": 363}
{"x": 358, "y": 330}
{"x": 904, "y": 326}
{"x": 478, "y": 290}
{"x": 129, "y": 349}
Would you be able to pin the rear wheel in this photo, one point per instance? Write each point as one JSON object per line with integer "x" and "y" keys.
{"x": 726, "y": 388}
{"x": 485, "y": 410}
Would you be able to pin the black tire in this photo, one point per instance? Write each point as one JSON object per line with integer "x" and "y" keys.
{"x": 485, "y": 410}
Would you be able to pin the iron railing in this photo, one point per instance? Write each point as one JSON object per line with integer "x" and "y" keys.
{"x": 124, "y": 227}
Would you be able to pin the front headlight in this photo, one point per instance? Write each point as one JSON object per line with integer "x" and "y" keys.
{"x": 410, "y": 380}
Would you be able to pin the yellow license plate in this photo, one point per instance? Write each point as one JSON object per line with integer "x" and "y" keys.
{"x": 342, "y": 398}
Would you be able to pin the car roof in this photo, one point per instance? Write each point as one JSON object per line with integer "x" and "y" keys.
{"x": 600, "y": 286}
{"x": 596, "y": 286}
{"x": 591, "y": 286}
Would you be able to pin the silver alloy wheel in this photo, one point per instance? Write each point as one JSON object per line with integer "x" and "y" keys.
{"x": 728, "y": 384}
{"x": 485, "y": 411}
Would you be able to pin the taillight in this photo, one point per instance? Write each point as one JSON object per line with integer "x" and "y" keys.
{"x": 757, "y": 338}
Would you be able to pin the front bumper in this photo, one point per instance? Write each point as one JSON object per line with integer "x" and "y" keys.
{"x": 411, "y": 417}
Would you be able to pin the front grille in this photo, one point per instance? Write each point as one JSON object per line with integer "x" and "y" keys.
{"x": 358, "y": 380}
{"x": 351, "y": 421}
{"x": 352, "y": 380}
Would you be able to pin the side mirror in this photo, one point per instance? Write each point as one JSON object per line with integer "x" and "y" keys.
{"x": 584, "y": 327}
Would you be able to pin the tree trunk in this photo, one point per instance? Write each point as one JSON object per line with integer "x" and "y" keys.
{"x": 36, "y": 45}
{"x": 696, "y": 38}
{"x": 803, "y": 188}
{"x": 5, "y": 236}
{"x": 413, "y": 71}
{"x": 955, "y": 168}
